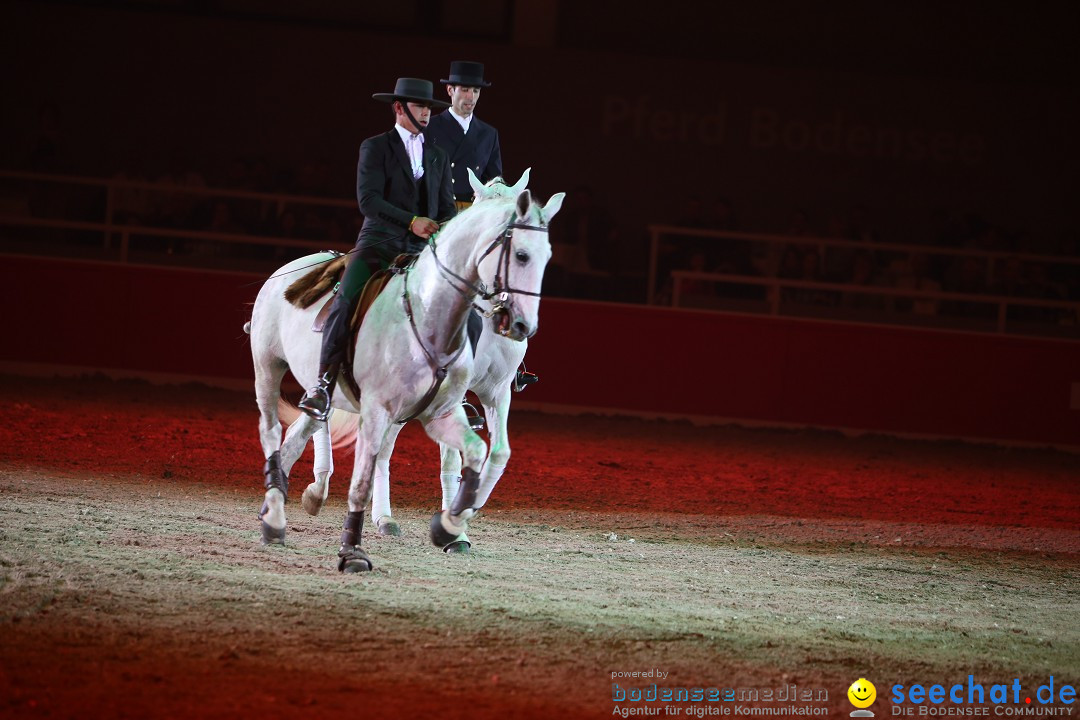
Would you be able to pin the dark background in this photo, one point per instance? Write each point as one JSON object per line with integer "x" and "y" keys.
{"x": 772, "y": 106}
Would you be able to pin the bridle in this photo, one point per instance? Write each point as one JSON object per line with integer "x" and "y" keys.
{"x": 500, "y": 292}
{"x": 499, "y": 295}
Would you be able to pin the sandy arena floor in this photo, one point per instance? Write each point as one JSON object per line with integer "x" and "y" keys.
{"x": 134, "y": 584}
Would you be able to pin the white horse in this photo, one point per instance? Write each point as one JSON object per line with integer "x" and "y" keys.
{"x": 494, "y": 378}
{"x": 410, "y": 359}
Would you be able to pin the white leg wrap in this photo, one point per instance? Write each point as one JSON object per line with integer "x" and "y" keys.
{"x": 489, "y": 476}
{"x": 380, "y": 495}
{"x": 449, "y": 487}
{"x": 324, "y": 455}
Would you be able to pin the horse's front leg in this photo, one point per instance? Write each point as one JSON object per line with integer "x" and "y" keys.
{"x": 450, "y": 479}
{"x": 380, "y": 493}
{"x": 369, "y": 443}
{"x": 449, "y": 473}
{"x": 316, "y": 492}
{"x": 453, "y": 430}
{"x": 496, "y": 412}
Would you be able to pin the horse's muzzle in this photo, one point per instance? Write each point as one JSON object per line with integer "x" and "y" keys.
{"x": 515, "y": 329}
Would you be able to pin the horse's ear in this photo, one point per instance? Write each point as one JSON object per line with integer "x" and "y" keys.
{"x": 553, "y": 206}
{"x": 522, "y": 183}
{"x": 475, "y": 184}
{"x": 524, "y": 200}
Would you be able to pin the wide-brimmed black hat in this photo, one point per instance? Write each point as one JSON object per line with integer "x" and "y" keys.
{"x": 469, "y": 74}
{"x": 412, "y": 90}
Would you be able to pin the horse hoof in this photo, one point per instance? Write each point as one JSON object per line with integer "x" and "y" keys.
{"x": 353, "y": 560}
{"x": 312, "y": 501}
{"x": 388, "y": 526}
{"x": 272, "y": 535}
{"x": 440, "y": 536}
{"x": 355, "y": 566}
{"x": 458, "y": 547}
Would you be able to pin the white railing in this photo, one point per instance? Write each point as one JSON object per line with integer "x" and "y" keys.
{"x": 117, "y": 236}
{"x": 1067, "y": 312}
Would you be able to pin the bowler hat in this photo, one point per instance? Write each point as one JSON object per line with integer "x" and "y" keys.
{"x": 412, "y": 90}
{"x": 469, "y": 74}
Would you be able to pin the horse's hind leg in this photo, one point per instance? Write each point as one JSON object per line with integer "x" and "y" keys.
{"x": 272, "y": 516}
{"x": 315, "y": 494}
{"x": 380, "y": 487}
{"x": 269, "y": 372}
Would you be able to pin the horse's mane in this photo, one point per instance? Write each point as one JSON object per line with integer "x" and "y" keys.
{"x": 490, "y": 215}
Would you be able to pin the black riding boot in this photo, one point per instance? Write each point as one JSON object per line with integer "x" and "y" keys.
{"x": 316, "y": 401}
{"x": 335, "y": 339}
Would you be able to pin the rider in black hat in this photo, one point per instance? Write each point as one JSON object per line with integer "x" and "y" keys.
{"x": 469, "y": 141}
{"x": 402, "y": 184}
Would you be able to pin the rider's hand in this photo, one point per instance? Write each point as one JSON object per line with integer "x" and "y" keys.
{"x": 423, "y": 227}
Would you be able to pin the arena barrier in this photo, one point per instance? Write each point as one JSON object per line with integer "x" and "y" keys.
{"x": 591, "y": 357}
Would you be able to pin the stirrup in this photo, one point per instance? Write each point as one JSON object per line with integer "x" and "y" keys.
{"x": 476, "y": 420}
{"x": 316, "y": 402}
{"x": 523, "y": 378}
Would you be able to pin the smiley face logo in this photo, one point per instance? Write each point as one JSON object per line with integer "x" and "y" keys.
{"x": 862, "y": 693}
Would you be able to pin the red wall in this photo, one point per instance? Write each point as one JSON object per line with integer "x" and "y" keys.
{"x": 591, "y": 355}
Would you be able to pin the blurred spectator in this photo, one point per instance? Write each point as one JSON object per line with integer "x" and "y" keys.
{"x": 694, "y": 287}
{"x": 1067, "y": 275}
{"x": 49, "y": 152}
{"x": 175, "y": 208}
{"x": 768, "y": 257}
{"x": 1009, "y": 278}
{"x": 798, "y": 223}
{"x": 692, "y": 213}
{"x": 221, "y": 219}
{"x": 588, "y": 239}
{"x": 865, "y": 275}
{"x": 131, "y": 204}
{"x": 855, "y": 228}
{"x": 968, "y": 276}
{"x": 790, "y": 263}
{"x": 915, "y": 275}
{"x": 722, "y": 216}
{"x": 805, "y": 265}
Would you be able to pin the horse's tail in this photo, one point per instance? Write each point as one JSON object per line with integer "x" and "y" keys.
{"x": 313, "y": 285}
{"x": 344, "y": 426}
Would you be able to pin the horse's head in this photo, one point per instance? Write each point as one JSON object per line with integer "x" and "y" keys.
{"x": 496, "y": 187}
{"x": 513, "y": 267}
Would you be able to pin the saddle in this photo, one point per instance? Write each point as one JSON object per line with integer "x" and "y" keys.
{"x": 310, "y": 288}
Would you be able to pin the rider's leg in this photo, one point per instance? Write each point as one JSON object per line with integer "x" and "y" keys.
{"x": 316, "y": 402}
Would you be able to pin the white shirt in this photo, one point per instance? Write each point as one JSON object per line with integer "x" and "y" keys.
{"x": 464, "y": 122}
{"x": 414, "y": 146}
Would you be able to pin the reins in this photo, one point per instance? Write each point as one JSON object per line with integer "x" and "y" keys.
{"x": 499, "y": 293}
